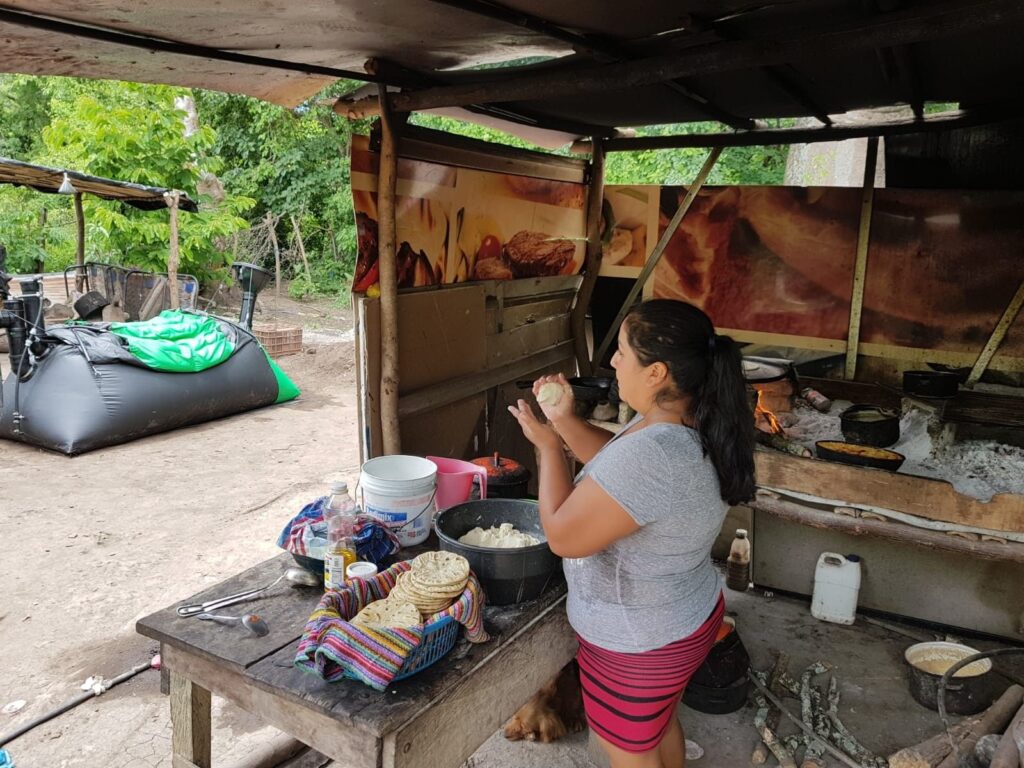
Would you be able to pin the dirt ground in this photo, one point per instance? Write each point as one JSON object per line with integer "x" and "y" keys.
{"x": 90, "y": 544}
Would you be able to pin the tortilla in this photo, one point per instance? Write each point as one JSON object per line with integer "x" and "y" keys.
{"x": 441, "y": 569}
{"x": 390, "y": 613}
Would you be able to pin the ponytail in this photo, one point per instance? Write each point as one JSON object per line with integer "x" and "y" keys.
{"x": 724, "y": 421}
{"x": 709, "y": 369}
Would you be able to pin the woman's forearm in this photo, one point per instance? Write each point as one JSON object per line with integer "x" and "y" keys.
{"x": 582, "y": 437}
{"x": 555, "y": 483}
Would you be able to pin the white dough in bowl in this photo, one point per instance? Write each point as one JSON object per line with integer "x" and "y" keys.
{"x": 504, "y": 536}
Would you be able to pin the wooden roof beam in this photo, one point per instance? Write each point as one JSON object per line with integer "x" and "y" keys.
{"x": 837, "y": 132}
{"x": 899, "y": 65}
{"x": 600, "y": 47}
{"x": 936, "y": 20}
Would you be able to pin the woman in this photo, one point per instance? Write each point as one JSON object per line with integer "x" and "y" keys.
{"x": 637, "y": 525}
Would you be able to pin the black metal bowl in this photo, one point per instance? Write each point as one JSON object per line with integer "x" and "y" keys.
{"x": 870, "y": 425}
{"x": 507, "y": 575}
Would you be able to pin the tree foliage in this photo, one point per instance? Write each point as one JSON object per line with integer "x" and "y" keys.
{"x": 293, "y": 164}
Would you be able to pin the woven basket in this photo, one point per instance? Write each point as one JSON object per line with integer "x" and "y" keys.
{"x": 279, "y": 340}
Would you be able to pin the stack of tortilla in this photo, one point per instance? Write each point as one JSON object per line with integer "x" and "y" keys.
{"x": 436, "y": 580}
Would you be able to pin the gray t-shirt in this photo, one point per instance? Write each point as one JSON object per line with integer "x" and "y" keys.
{"x": 656, "y": 585}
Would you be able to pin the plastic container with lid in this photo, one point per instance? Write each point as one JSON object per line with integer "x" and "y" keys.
{"x": 836, "y": 588}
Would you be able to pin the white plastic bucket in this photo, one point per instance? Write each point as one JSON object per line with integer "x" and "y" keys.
{"x": 399, "y": 491}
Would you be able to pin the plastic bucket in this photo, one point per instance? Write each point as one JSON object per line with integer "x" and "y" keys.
{"x": 455, "y": 481}
{"x": 399, "y": 491}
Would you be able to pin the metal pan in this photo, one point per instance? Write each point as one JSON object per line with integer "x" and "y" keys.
{"x": 940, "y": 385}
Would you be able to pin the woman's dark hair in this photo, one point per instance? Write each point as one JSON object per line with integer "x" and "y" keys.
{"x": 709, "y": 369}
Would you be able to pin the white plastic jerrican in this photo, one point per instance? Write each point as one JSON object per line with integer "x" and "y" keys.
{"x": 836, "y": 586}
{"x": 399, "y": 491}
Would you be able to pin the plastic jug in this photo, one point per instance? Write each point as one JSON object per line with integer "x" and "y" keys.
{"x": 455, "y": 481}
{"x": 836, "y": 586}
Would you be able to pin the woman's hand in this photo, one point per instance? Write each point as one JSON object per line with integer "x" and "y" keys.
{"x": 565, "y": 407}
{"x": 540, "y": 434}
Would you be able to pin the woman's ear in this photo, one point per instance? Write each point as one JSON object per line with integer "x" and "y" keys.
{"x": 657, "y": 374}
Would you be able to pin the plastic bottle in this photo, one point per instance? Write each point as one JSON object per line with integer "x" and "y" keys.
{"x": 340, "y": 516}
{"x": 737, "y": 567}
{"x": 836, "y": 588}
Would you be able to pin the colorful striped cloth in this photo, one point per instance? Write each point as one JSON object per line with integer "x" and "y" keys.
{"x": 332, "y": 648}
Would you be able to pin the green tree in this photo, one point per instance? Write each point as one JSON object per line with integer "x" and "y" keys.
{"x": 129, "y": 132}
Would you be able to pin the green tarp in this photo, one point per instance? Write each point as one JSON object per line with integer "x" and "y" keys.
{"x": 176, "y": 342}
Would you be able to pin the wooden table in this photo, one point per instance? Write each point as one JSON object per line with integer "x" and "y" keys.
{"x": 436, "y": 718}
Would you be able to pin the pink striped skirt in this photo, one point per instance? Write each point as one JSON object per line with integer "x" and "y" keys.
{"x": 630, "y": 698}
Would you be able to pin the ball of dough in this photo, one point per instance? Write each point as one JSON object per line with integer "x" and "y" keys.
{"x": 550, "y": 394}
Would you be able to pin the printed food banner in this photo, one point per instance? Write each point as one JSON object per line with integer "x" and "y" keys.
{"x": 456, "y": 224}
{"x": 942, "y": 264}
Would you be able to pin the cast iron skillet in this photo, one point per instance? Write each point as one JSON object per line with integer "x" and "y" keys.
{"x": 833, "y": 451}
{"x": 586, "y": 389}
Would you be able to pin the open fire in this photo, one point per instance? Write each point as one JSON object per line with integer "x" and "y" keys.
{"x": 764, "y": 419}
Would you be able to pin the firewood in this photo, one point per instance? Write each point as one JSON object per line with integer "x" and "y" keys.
{"x": 1008, "y": 753}
{"x": 985, "y": 749}
{"x": 932, "y": 751}
{"x": 772, "y": 717}
{"x": 993, "y": 720}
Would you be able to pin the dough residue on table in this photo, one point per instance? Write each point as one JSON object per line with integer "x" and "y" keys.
{"x": 504, "y": 536}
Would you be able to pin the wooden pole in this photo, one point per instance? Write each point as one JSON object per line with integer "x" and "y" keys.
{"x": 656, "y": 254}
{"x": 592, "y": 262}
{"x": 860, "y": 267}
{"x": 941, "y": 121}
{"x": 387, "y": 257}
{"x": 41, "y": 261}
{"x": 80, "y": 243}
{"x": 302, "y": 247}
{"x": 172, "y": 199}
{"x": 271, "y": 223}
{"x": 1001, "y": 329}
{"x": 936, "y": 20}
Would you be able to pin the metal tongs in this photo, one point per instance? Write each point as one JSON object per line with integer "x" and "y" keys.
{"x": 194, "y": 609}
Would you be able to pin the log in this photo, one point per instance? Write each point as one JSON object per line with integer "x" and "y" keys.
{"x": 932, "y": 751}
{"x": 890, "y": 531}
{"x": 761, "y": 751}
{"x": 388, "y": 260}
{"x": 993, "y": 720}
{"x": 1008, "y": 754}
{"x": 985, "y": 749}
{"x": 272, "y": 231}
{"x": 592, "y": 263}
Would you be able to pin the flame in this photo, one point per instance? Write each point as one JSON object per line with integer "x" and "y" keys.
{"x": 764, "y": 419}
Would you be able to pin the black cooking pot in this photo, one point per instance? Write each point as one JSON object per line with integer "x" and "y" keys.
{"x": 506, "y": 478}
{"x": 848, "y": 453}
{"x": 507, "y": 575}
{"x": 964, "y": 695}
{"x": 870, "y": 425}
{"x": 934, "y": 384}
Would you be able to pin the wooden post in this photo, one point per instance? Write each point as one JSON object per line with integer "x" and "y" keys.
{"x": 190, "y": 724}
{"x": 387, "y": 257}
{"x": 41, "y": 261}
{"x": 80, "y": 245}
{"x": 659, "y": 249}
{"x": 302, "y": 247}
{"x": 861, "y": 265}
{"x": 172, "y": 199}
{"x": 1001, "y": 329}
{"x": 592, "y": 261}
{"x": 271, "y": 223}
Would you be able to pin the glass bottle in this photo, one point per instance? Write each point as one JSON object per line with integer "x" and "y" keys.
{"x": 340, "y": 516}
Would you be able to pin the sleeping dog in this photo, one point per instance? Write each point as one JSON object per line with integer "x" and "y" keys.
{"x": 554, "y": 711}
